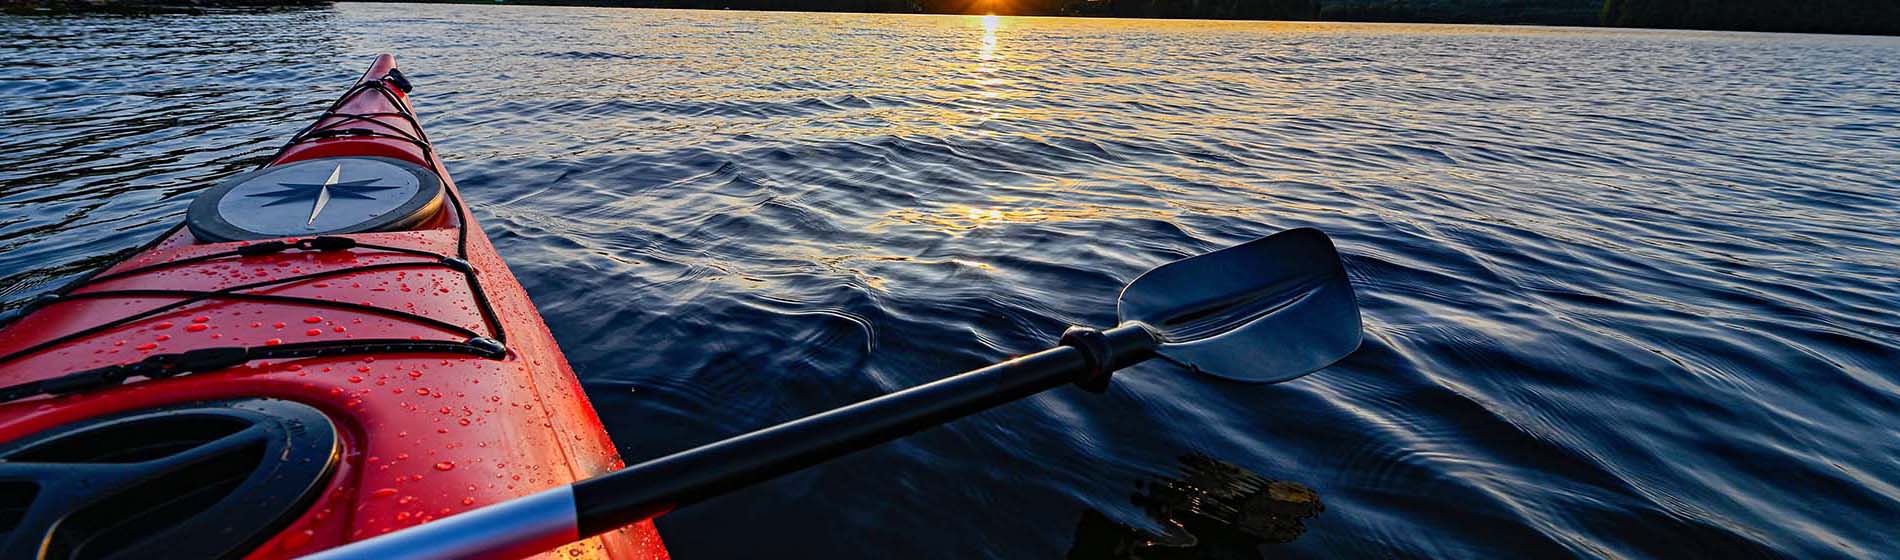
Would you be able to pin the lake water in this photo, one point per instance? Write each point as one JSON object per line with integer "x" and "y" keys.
{"x": 1626, "y": 293}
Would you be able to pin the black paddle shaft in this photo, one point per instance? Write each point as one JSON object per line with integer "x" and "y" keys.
{"x": 654, "y": 487}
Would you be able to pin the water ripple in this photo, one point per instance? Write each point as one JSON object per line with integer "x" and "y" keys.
{"x": 1627, "y": 293}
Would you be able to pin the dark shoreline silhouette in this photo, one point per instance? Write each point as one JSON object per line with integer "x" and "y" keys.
{"x": 144, "y": 7}
{"x": 1860, "y": 17}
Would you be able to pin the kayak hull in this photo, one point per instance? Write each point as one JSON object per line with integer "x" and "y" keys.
{"x": 421, "y": 435}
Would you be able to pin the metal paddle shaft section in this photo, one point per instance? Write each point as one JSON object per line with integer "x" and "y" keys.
{"x": 1264, "y": 311}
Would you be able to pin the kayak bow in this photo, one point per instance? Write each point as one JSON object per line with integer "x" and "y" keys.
{"x": 326, "y": 350}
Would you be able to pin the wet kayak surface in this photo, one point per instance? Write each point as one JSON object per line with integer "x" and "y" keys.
{"x": 1625, "y": 292}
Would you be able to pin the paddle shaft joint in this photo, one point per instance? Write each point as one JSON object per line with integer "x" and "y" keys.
{"x": 1130, "y": 343}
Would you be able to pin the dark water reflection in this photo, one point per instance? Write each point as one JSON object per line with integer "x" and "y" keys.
{"x": 1626, "y": 293}
{"x": 1212, "y": 510}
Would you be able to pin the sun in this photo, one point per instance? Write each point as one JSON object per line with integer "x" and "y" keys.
{"x": 989, "y": 8}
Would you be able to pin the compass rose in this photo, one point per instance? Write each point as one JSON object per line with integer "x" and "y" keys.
{"x": 319, "y": 194}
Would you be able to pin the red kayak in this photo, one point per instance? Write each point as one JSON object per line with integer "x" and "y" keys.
{"x": 328, "y": 349}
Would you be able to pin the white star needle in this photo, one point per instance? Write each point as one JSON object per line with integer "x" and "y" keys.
{"x": 323, "y": 196}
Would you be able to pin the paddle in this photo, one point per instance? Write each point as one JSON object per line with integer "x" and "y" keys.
{"x": 1264, "y": 311}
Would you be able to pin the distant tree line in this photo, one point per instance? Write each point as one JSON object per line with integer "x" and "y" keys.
{"x": 1876, "y": 17}
{"x": 763, "y": 5}
{"x": 1201, "y": 9}
{"x": 1812, "y": 16}
{"x": 1534, "y": 12}
{"x": 141, "y": 7}
{"x": 1209, "y": 9}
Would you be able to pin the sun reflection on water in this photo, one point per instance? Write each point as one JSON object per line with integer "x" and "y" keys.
{"x": 988, "y": 52}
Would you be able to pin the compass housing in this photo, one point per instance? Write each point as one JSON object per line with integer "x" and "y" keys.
{"x": 325, "y": 196}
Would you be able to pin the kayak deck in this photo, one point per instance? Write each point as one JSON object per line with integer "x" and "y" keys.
{"x": 387, "y": 333}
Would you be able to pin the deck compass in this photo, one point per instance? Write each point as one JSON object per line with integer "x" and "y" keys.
{"x": 324, "y": 196}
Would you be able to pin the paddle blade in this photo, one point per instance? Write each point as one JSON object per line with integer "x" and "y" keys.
{"x": 1264, "y": 311}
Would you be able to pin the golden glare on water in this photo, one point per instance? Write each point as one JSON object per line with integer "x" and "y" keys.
{"x": 1006, "y": 210}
